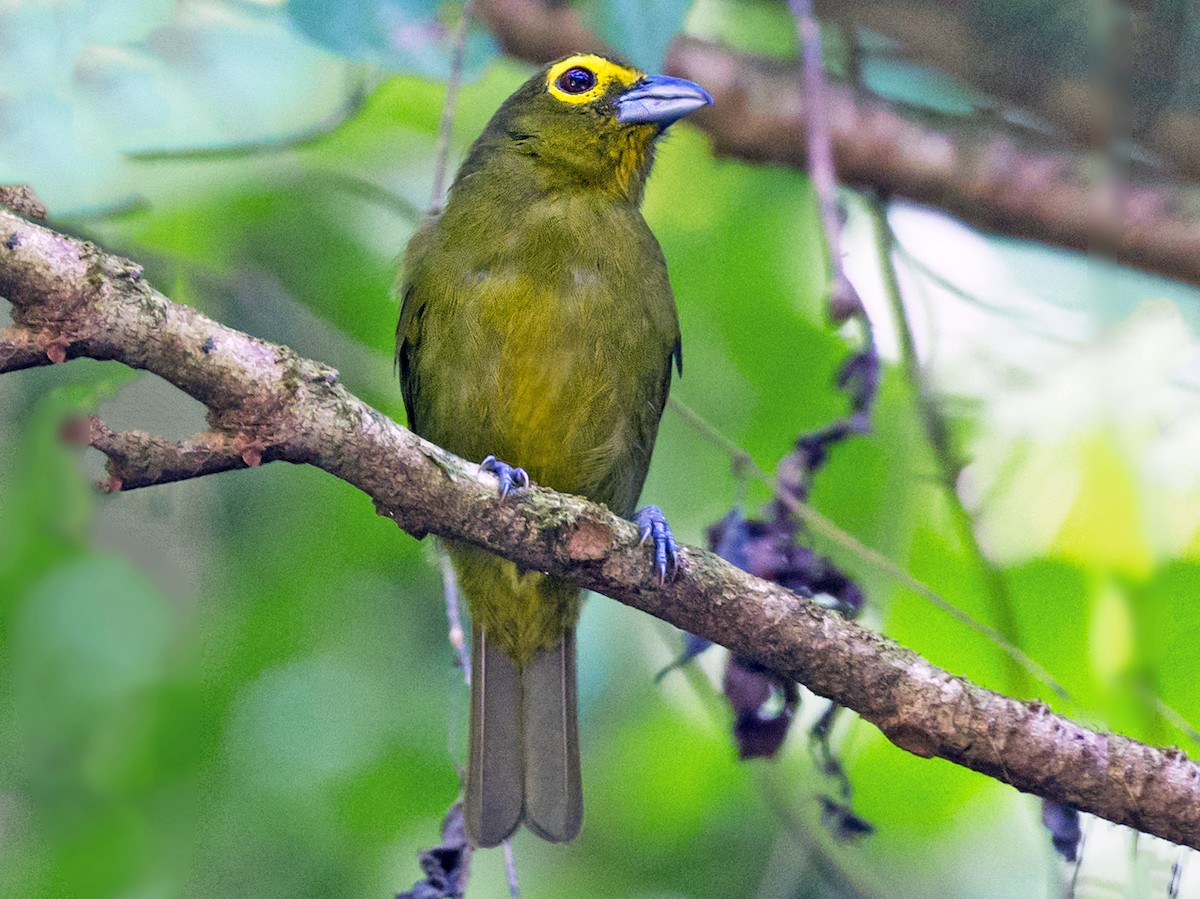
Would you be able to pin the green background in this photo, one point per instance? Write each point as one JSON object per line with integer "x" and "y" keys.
{"x": 242, "y": 686}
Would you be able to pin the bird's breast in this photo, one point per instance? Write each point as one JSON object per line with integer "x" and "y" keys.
{"x": 546, "y": 340}
{"x": 564, "y": 372}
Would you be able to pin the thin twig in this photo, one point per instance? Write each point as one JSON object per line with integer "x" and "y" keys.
{"x": 740, "y": 461}
{"x": 774, "y": 794}
{"x": 369, "y": 192}
{"x": 937, "y": 436}
{"x": 1024, "y": 318}
{"x": 1175, "y": 719}
{"x": 1176, "y": 880}
{"x": 820, "y": 152}
{"x": 828, "y": 529}
{"x": 458, "y": 640}
{"x": 844, "y": 301}
{"x": 702, "y": 426}
{"x": 744, "y": 463}
{"x": 137, "y": 459}
{"x": 510, "y": 869}
{"x": 1075, "y": 868}
{"x": 446, "y": 128}
{"x": 458, "y": 645}
{"x": 831, "y": 531}
{"x": 855, "y": 55}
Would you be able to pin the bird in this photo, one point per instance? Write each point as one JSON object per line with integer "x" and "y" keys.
{"x": 537, "y": 335}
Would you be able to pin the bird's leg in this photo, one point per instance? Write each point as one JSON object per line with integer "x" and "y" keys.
{"x": 652, "y": 525}
{"x": 509, "y": 476}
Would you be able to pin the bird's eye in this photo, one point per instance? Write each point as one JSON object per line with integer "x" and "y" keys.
{"x": 577, "y": 80}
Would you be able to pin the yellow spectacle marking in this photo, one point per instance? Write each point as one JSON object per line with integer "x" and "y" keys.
{"x": 605, "y": 70}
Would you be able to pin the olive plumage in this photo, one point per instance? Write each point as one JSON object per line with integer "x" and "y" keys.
{"x": 538, "y": 326}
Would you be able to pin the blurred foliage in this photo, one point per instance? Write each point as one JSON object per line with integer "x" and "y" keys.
{"x": 407, "y": 35}
{"x": 639, "y": 29}
{"x": 756, "y": 26}
{"x": 241, "y": 686}
{"x": 1121, "y": 77}
{"x": 1064, "y": 35}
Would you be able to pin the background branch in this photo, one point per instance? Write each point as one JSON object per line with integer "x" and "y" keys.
{"x": 69, "y": 295}
{"x": 981, "y": 50}
{"x": 978, "y": 173}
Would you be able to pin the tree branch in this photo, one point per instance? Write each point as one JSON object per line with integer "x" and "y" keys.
{"x": 78, "y": 301}
{"x": 137, "y": 459}
{"x": 978, "y": 174}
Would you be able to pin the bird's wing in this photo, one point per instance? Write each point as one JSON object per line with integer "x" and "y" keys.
{"x": 408, "y": 332}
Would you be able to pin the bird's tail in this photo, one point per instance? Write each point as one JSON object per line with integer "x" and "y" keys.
{"x": 524, "y": 756}
{"x": 494, "y": 796}
{"x": 553, "y": 793}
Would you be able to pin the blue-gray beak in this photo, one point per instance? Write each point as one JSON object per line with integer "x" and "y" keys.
{"x": 661, "y": 99}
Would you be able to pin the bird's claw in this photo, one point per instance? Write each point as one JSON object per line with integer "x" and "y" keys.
{"x": 652, "y": 525}
{"x": 509, "y": 476}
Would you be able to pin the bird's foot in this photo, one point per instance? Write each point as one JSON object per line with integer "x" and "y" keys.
{"x": 509, "y": 476}
{"x": 652, "y": 525}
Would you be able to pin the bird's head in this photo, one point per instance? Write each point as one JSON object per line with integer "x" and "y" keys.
{"x": 589, "y": 120}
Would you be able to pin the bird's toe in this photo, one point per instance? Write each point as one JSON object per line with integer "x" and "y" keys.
{"x": 509, "y": 476}
{"x": 652, "y": 525}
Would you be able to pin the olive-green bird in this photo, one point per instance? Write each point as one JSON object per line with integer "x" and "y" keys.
{"x": 538, "y": 328}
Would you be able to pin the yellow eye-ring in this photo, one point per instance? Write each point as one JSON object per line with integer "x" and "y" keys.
{"x": 576, "y": 80}
{"x": 586, "y": 77}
